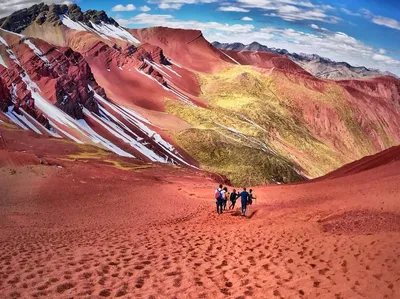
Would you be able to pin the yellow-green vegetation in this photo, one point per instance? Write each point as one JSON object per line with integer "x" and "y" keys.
{"x": 9, "y": 125}
{"x": 256, "y": 129}
{"x": 92, "y": 153}
{"x": 86, "y": 155}
{"x": 128, "y": 166}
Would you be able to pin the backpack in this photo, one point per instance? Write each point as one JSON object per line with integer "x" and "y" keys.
{"x": 217, "y": 194}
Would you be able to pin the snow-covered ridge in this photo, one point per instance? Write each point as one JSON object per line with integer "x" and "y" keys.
{"x": 104, "y": 30}
{"x": 115, "y": 32}
{"x": 116, "y": 127}
{"x": 170, "y": 87}
{"x": 56, "y": 117}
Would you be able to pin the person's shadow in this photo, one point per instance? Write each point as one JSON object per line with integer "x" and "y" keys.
{"x": 249, "y": 214}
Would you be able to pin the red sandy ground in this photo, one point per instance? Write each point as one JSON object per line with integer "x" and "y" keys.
{"x": 85, "y": 229}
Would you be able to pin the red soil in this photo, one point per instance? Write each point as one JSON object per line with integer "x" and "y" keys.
{"x": 186, "y": 47}
{"x": 87, "y": 229}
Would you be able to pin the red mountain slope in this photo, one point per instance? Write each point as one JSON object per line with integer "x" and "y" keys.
{"x": 68, "y": 102}
{"x": 379, "y": 163}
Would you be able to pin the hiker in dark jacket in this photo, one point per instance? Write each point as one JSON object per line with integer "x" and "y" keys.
{"x": 234, "y": 196}
{"x": 251, "y": 197}
{"x": 244, "y": 197}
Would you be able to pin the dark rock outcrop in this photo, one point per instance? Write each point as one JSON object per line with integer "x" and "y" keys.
{"x": 5, "y": 96}
{"x": 43, "y": 13}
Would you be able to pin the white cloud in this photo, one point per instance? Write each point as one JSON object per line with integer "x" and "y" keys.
{"x": 292, "y": 14}
{"x": 382, "y": 51}
{"x": 292, "y": 10}
{"x": 170, "y": 5}
{"x": 177, "y": 4}
{"x": 385, "y": 59}
{"x": 120, "y": 7}
{"x": 144, "y": 8}
{"x": 169, "y": 21}
{"x": 233, "y": 9}
{"x": 9, "y": 6}
{"x": 270, "y": 4}
{"x": 246, "y": 19}
{"x": 365, "y": 12}
{"x": 383, "y": 21}
{"x": 380, "y": 20}
{"x": 350, "y": 13}
{"x": 314, "y": 26}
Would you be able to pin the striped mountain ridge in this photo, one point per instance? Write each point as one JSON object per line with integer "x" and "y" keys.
{"x": 165, "y": 95}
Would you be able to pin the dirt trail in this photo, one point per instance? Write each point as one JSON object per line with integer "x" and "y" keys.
{"x": 87, "y": 230}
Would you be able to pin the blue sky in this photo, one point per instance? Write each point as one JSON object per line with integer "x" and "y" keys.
{"x": 361, "y": 32}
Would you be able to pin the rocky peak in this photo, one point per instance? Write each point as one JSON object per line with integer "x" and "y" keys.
{"x": 97, "y": 17}
{"x": 21, "y": 19}
{"x": 43, "y": 13}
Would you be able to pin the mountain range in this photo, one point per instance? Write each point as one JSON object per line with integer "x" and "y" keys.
{"x": 113, "y": 142}
{"x": 162, "y": 95}
{"x": 320, "y": 67}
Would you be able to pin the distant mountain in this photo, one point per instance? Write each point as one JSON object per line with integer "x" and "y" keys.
{"x": 320, "y": 67}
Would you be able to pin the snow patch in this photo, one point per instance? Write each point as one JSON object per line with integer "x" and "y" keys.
{"x": 2, "y": 62}
{"x": 28, "y": 81}
{"x": 61, "y": 117}
{"x": 172, "y": 70}
{"x": 257, "y": 144}
{"x": 174, "y": 63}
{"x": 64, "y": 132}
{"x": 13, "y": 57}
{"x": 151, "y": 78}
{"x": 23, "y": 119}
{"x": 72, "y": 24}
{"x": 37, "y": 52}
{"x": 3, "y": 41}
{"x": 235, "y": 61}
{"x": 10, "y": 32}
{"x": 13, "y": 118}
{"x": 97, "y": 138}
{"x": 253, "y": 123}
{"x": 157, "y": 67}
{"x": 115, "y": 32}
{"x": 131, "y": 117}
{"x": 39, "y": 125}
{"x": 180, "y": 96}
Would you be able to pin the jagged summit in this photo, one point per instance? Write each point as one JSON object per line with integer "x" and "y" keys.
{"x": 53, "y": 13}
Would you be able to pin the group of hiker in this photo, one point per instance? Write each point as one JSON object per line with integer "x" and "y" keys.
{"x": 222, "y": 197}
